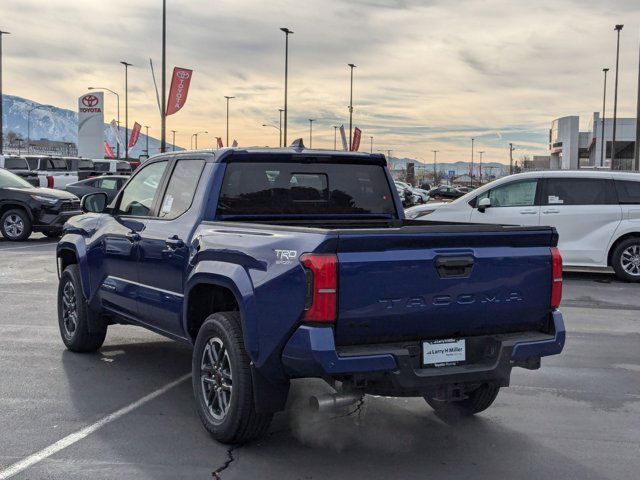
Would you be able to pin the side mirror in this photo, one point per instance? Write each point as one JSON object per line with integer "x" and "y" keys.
{"x": 94, "y": 202}
{"x": 484, "y": 204}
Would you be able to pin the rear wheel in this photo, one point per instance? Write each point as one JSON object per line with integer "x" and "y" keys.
{"x": 15, "y": 225}
{"x": 477, "y": 401}
{"x": 625, "y": 260}
{"x": 222, "y": 383}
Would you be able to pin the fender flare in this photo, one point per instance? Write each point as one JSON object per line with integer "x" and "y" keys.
{"x": 18, "y": 204}
{"x": 234, "y": 278}
{"x": 75, "y": 244}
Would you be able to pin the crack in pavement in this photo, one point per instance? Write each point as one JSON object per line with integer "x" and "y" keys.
{"x": 216, "y": 474}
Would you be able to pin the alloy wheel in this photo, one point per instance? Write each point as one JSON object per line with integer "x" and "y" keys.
{"x": 69, "y": 309}
{"x": 216, "y": 379}
{"x": 630, "y": 260}
{"x": 13, "y": 225}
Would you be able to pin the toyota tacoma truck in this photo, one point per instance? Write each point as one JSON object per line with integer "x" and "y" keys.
{"x": 293, "y": 263}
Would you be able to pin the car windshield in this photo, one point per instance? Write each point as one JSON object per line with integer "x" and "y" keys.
{"x": 10, "y": 180}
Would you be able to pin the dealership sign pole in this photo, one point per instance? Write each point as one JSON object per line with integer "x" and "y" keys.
{"x": 91, "y": 125}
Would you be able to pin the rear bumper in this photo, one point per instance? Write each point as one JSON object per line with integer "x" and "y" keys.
{"x": 311, "y": 352}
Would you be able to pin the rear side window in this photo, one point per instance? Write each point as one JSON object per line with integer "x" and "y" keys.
{"x": 85, "y": 165}
{"x": 304, "y": 189}
{"x": 57, "y": 164}
{"x": 33, "y": 163}
{"x": 578, "y": 191}
{"x": 181, "y": 189}
{"x": 108, "y": 183}
{"x": 628, "y": 191}
{"x": 15, "y": 163}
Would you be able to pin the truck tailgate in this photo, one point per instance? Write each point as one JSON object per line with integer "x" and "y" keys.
{"x": 434, "y": 282}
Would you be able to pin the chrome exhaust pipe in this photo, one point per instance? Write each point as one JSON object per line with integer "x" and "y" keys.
{"x": 325, "y": 403}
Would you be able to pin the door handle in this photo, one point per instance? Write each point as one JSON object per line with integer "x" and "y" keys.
{"x": 528, "y": 212}
{"x": 454, "y": 267}
{"x": 174, "y": 242}
{"x": 551, "y": 210}
{"x": 133, "y": 236}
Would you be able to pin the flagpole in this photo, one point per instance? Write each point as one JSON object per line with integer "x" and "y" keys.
{"x": 163, "y": 113}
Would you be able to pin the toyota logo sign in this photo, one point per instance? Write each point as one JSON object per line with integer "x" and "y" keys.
{"x": 90, "y": 100}
{"x": 182, "y": 74}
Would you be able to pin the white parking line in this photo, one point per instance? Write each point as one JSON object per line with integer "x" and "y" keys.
{"x": 72, "y": 438}
{"x": 27, "y": 246}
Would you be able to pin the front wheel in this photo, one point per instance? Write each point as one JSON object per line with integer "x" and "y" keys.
{"x": 477, "y": 401}
{"x": 15, "y": 225}
{"x": 626, "y": 260}
{"x": 222, "y": 383}
{"x": 74, "y": 315}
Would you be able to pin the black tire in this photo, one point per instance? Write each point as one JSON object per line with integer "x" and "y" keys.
{"x": 15, "y": 225}
{"x": 53, "y": 233}
{"x": 478, "y": 400}
{"x": 74, "y": 329}
{"x": 228, "y": 383}
{"x": 625, "y": 260}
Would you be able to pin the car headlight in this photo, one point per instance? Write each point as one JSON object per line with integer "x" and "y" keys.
{"x": 45, "y": 200}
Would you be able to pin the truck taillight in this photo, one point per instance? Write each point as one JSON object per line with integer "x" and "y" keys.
{"x": 49, "y": 181}
{"x": 556, "y": 277}
{"x": 322, "y": 287}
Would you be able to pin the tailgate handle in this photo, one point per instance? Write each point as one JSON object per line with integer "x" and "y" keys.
{"x": 454, "y": 267}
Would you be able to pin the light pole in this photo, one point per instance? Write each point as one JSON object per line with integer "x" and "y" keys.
{"x": 163, "y": 112}
{"x": 196, "y": 135}
{"x": 280, "y": 110}
{"x": 472, "y": 141}
{"x": 604, "y": 104}
{"x": 29, "y": 123}
{"x": 147, "y": 135}
{"x": 311, "y": 120}
{"x": 126, "y": 108}
{"x": 118, "y": 117}
{"x": 173, "y": 140}
{"x": 273, "y": 126}
{"x": 617, "y": 28}
{"x": 480, "y": 166}
{"x": 637, "y": 152}
{"x": 435, "y": 172}
{"x": 371, "y": 144}
{"x": 1, "y": 123}
{"x": 287, "y": 32}
{"x": 351, "y": 66}
{"x": 511, "y": 149}
{"x": 228, "y": 98}
{"x": 335, "y": 137}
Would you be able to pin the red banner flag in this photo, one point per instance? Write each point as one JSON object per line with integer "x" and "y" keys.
{"x": 219, "y": 140}
{"x": 355, "y": 145}
{"x": 135, "y": 134}
{"x": 179, "y": 89}
{"x": 108, "y": 151}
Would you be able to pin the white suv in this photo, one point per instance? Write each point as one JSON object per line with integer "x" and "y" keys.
{"x": 596, "y": 213}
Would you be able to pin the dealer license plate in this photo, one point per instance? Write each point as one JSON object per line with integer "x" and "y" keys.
{"x": 443, "y": 353}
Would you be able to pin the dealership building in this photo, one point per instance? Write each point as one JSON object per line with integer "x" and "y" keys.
{"x": 570, "y": 149}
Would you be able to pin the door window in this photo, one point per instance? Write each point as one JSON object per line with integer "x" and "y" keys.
{"x": 515, "y": 194}
{"x": 628, "y": 191}
{"x": 137, "y": 197}
{"x": 108, "y": 183}
{"x": 578, "y": 191}
{"x": 181, "y": 189}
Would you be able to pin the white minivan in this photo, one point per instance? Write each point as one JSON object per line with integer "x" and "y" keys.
{"x": 596, "y": 213}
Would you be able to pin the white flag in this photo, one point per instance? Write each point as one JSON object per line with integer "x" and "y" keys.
{"x": 235, "y": 143}
{"x": 116, "y": 131}
{"x": 344, "y": 138}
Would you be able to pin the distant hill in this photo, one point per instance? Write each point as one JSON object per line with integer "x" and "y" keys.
{"x": 460, "y": 168}
{"x": 59, "y": 124}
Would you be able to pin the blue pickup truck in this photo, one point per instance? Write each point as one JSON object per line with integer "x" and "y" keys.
{"x": 295, "y": 263}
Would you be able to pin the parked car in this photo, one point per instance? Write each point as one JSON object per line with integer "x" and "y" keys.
{"x": 596, "y": 213}
{"x": 406, "y": 195}
{"x": 19, "y": 166}
{"x": 109, "y": 184}
{"x": 284, "y": 264}
{"x": 112, "y": 167}
{"x": 445, "y": 192}
{"x": 25, "y": 208}
{"x": 84, "y": 167}
{"x": 425, "y": 186}
{"x": 53, "y": 172}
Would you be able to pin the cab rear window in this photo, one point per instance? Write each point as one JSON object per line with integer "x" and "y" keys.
{"x": 304, "y": 189}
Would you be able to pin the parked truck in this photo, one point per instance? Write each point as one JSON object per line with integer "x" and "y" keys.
{"x": 293, "y": 263}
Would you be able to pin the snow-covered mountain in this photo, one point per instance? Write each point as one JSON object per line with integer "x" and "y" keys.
{"x": 59, "y": 124}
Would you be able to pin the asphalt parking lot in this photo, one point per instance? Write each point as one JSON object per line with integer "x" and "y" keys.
{"x": 578, "y": 417}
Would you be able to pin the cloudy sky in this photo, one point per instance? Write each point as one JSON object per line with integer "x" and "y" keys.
{"x": 431, "y": 74}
